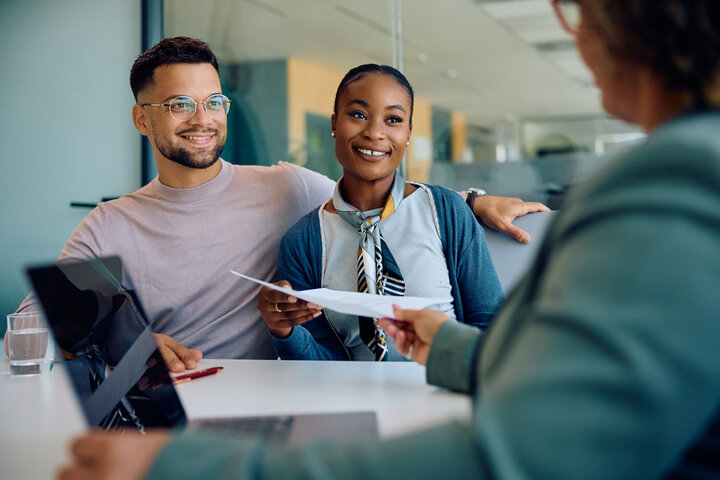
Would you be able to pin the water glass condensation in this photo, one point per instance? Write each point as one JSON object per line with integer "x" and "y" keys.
{"x": 30, "y": 348}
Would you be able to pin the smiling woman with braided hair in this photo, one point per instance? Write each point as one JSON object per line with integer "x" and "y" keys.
{"x": 378, "y": 234}
{"x": 603, "y": 363}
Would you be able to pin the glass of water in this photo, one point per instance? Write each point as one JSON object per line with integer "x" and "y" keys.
{"x": 30, "y": 347}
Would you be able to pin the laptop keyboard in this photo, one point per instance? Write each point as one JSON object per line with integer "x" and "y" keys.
{"x": 273, "y": 429}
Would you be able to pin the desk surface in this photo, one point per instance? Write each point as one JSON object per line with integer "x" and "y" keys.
{"x": 38, "y": 414}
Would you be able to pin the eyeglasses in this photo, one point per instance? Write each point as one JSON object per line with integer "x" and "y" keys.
{"x": 184, "y": 108}
{"x": 568, "y": 12}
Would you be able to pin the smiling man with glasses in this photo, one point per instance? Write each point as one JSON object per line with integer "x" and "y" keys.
{"x": 185, "y": 109}
{"x": 180, "y": 131}
{"x": 180, "y": 234}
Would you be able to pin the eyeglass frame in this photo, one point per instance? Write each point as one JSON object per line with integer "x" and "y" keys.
{"x": 195, "y": 105}
{"x": 561, "y": 16}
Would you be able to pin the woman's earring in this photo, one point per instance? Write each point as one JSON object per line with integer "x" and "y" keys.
{"x": 407, "y": 144}
{"x": 333, "y": 134}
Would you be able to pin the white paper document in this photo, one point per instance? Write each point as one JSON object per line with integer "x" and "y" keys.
{"x": 354, "y": 303}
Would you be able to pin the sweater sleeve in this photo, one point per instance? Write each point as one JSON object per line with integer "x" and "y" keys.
{"x": 84, "y": 243}
{"x": 475, "y": 284}
{"x": 300, "y": 263}
{"x": 314, "y": 187}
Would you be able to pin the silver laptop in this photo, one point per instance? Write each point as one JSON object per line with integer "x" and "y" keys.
{"x": 118, "y": 373}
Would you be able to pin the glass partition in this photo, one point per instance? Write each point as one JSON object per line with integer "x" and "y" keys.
{"x": 503, "y": 101}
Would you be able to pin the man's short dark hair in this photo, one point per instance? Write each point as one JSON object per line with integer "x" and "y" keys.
{"x": 168, "y": 51}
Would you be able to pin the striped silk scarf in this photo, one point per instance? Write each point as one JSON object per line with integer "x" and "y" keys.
{"x": 377, "y": 271}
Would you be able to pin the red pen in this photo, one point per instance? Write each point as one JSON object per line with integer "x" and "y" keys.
{"x": 200, "y": 373}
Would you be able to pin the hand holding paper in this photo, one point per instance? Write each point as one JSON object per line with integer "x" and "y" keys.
{"x": 354, "y": 303}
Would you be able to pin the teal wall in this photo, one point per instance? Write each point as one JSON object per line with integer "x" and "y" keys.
{"x": 442, "y": 134}
{"x": 257, "y": 123}
{"x": 65, "y": 128}
{"x": 321, "y": 147}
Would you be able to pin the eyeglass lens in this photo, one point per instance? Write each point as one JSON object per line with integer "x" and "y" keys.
{"x": 570, "y": 11}
{"x": 184, "y": 108}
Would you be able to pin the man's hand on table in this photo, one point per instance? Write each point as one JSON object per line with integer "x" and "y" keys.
{"x": 176, "y": 355}
{"x": 282, "y": 312}
{"x": 413, "y": 331}
{"x": 113, "y": 456}
{"x": 498, "y": 213}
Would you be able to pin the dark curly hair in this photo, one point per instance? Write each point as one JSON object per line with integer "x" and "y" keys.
{"x": 360, "y": 71}
{"x": 678, "y": 39}
{"x": 167, "y": 51}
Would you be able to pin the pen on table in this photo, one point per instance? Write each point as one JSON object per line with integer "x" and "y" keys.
{"x": 186, "y": 377}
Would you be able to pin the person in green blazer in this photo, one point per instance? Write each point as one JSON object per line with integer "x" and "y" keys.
{"x": 603, "y": 362}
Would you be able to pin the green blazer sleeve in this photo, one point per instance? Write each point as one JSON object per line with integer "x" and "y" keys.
{"x": 451, "y": 362}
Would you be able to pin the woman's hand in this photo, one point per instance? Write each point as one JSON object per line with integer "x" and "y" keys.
{"x": 413, "y": 331}
{"x": 282, "y": 312}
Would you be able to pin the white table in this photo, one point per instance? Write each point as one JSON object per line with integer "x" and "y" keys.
{"x": 38, "y": 414}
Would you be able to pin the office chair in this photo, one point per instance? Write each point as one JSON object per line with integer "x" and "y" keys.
{"x": 511, "y": 258}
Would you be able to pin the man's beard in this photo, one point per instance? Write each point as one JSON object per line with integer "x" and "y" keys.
{"x": 183, "y": 157}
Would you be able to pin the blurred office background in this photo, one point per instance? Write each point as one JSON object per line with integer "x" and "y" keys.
{"x": 503, "y": 101}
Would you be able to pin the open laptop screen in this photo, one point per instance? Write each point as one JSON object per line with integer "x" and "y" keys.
{"x": 109, "y": 350}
